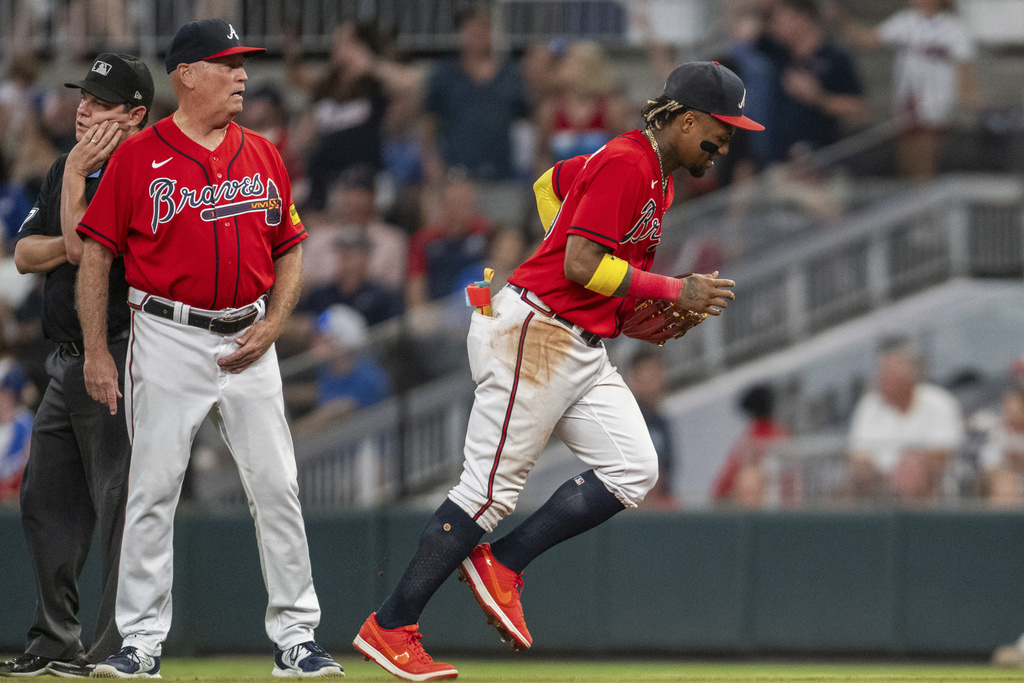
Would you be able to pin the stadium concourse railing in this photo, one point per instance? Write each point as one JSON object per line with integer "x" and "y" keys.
{"x": 905, "y": 241}
{"x": 812, "y": 472}
{"x": 830, "y": 271}
{"x": 417, "y": 25}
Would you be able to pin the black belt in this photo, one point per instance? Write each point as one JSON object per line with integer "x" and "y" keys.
{"x": 218, "y": 324}
{"x": 76, "y": 348}
{"x": 587, "y": 336}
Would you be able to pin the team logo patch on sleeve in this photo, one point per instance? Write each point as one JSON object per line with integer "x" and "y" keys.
{"x": 294, "y": 215}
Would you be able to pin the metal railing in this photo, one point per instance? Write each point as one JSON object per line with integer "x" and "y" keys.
{"x": 146, "y": 27}
{"x": 812, "y": 472}
{"x": 959, "y": 226}
{"x": 406, "y": 445}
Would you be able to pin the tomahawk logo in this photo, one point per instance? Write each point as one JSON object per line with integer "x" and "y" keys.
{"x": 102, "y": 68}
{"x": 257, "y": 197}
{"x": 271, "y": 205}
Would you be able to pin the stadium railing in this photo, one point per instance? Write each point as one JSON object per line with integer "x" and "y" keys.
{"x": 417, "y": 25}
{"x": 812, "y": 472}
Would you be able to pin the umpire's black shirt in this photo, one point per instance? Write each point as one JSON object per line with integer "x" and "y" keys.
{"x": 60, "y": 318}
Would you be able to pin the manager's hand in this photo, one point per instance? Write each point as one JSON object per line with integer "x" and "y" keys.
{"x": 101, "y": 379}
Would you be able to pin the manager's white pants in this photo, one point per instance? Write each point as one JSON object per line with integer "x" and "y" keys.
{"x": 172, "y": 383}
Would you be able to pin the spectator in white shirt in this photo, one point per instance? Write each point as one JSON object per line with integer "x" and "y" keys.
{"x": 904, "y": 432}
{"x": 934, "y": 71}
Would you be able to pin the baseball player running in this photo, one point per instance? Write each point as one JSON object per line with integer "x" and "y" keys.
{"x": 541, "y": 368}
{"x": 202, "y": 211}
{"x": 77, "y": 474}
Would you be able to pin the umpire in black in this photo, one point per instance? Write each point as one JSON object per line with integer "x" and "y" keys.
{"x": 77, "y": 473}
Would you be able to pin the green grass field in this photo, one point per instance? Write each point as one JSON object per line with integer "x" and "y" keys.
{"x": 561, "y": 671}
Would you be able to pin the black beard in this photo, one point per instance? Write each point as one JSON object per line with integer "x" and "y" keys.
{"x": 697, "y": 170}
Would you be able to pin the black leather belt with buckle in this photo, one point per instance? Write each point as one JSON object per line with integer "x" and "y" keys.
{"x": 587, "y": 336}
{"x": 218, "y": 324}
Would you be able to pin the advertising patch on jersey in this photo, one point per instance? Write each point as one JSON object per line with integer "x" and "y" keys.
{"x": 294, "y": 215}
{"x": 258, "y": 198}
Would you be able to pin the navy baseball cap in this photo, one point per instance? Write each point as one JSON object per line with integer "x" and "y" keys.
{"x": 204, "y": 39}
{"x": 119, "y": 79}
{"x": 711, "y": 88}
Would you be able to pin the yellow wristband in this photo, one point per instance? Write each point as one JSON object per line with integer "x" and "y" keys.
{"x": 609, "y": 275}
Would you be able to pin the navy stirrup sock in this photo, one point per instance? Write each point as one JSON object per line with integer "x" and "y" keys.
{"x": 579, "y": 504}
{"x": 447, "y": 540}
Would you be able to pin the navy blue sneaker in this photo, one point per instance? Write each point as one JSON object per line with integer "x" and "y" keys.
{"x": 306, "y": 660}
{"x": 129, "y": 662}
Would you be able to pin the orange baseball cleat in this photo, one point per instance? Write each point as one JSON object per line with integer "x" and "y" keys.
{"x": 496, "y": 588}
{"x": 399, "y": 652}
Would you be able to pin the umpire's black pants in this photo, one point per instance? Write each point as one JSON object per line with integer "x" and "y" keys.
{"x": 76, "y": 478}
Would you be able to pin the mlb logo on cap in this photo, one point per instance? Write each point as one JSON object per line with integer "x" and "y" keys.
{"x": 119, "y": 79}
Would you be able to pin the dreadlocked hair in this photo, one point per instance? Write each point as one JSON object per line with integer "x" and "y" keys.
{"x": 659, "y": 112}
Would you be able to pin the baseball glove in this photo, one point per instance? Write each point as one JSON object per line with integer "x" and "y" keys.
{"x": 657, "y": 320}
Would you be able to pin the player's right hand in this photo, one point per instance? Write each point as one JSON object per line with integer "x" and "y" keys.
{"x": 95, "y": 147}
{"x": 101, "y": 379}
{"x": 705, "y": 293}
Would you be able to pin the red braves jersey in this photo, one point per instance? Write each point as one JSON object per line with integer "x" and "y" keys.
{"x": 614, "y": 198}
{"x": 198, "y": 226}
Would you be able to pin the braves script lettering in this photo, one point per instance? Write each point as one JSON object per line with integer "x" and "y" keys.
{"x": 647, "y": 227}
{"x": 166, "y": 206}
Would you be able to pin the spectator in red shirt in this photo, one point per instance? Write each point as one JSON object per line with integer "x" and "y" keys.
{"x": 741, "y": 479}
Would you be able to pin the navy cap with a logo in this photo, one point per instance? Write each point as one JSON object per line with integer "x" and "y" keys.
{"x": 204, "y": 39}
{"x": 119, "y": 79}
{"x": 711, "y": 88}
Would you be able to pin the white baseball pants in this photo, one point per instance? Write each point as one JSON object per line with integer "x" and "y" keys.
{"x": 536, "y": 377}
{"x": 172, "y": 383}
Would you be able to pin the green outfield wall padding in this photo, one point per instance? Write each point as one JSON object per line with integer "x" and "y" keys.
{"x": 893, "y": 582}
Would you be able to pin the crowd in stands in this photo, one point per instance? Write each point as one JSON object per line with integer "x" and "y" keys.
{"x": 411, "y": 176}
{"x": 909, "y": 441}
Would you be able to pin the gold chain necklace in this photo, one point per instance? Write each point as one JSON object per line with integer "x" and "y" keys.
{"x": 657, "y": 153}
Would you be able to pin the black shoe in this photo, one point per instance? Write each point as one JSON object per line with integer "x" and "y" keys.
{"x": 25, "y": 665}
{"x": 78, "y": 667}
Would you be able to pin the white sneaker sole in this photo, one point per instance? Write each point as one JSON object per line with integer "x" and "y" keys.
{"x": 326, "y": 672}
{"x": 490, "y": 605}
{"x": 105, "y": 671}
{"x": 371, "y": 653}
